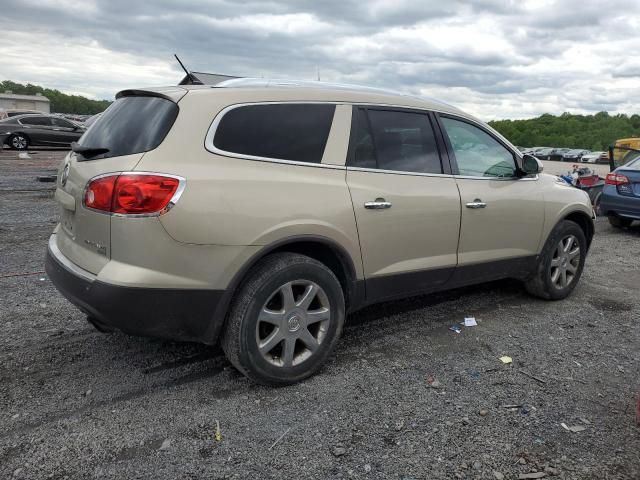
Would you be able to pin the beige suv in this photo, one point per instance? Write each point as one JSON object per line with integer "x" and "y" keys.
{"x": 259, "y": 213}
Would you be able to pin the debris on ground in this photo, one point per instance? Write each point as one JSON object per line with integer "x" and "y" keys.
{"x": 165, "y": 445}
{"x": 455, "y": 328}
{"x": 218, "y": 435}
{"x": 506, "y": 360}
{"x": 526, "y": 476}
{"x": 537, "y": 379}
{"x": 470, "y": 322}
{"x": 338, "y": 450}
{"x": 277, "y": 440}
{"x": 574, "y": 429}
{"x": 433, "y": 382}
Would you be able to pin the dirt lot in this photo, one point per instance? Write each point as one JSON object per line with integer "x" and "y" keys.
{"x": 402, "y": 398}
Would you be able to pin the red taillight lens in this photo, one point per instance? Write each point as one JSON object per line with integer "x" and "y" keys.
{"x": 131, "y": 194}
{"x": 135, "y": 194}
{"x": 616, "y": 179}
{"x": 99, "y": 193}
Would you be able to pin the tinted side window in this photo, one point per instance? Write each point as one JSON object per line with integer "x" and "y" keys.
{"x": 36, "y": 121}
{"x": 280, "y": 131}
{"x": 477, "y": 153}
{"x": 404, "y": 141}
{"x": 61, "y": 122}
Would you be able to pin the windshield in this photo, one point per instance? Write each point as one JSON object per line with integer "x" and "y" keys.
{"x": 130, "y": 125}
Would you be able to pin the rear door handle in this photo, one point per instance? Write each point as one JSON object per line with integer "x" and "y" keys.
{"x": 378, "y": 204}
{"x": 477, "y": 203}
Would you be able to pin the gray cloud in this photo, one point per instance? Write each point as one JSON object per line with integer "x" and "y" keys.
{"x": 497, "y": 58}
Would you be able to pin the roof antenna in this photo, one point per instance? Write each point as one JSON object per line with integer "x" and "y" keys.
{"x": 192, "y": 78}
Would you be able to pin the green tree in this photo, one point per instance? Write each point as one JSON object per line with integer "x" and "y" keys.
{"x": 596, "y": 132}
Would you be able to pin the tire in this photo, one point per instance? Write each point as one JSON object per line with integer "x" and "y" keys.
{"x": 596, "y": 204}
{"x": 18, "y": 141}
{"x": 548, "y": 281}
{"x": 278, "y": 355}
{"x": 619, "y": 222}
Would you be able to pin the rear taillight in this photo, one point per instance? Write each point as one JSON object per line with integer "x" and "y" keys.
{"x": 616, "y": 179}
{"x": 133, "y": 193}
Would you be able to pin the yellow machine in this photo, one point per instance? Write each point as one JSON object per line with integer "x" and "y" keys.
{"x": 625, "y": 149}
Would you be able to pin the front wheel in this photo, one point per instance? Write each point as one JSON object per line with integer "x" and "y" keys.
{"x": 560, "y": 264}
{"x": 285, "y": 320}
{"x": 18, "y": 141}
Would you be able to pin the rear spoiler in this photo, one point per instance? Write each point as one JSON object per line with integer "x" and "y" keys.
{"x": 173, "y": 94}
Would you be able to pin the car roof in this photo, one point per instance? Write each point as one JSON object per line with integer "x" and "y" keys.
{"x": 315, "y": 91}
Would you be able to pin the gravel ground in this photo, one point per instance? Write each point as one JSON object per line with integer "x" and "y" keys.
{"x": 402, "y": 397}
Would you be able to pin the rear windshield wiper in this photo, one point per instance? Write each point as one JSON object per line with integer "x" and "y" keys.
{"x": 88, "y": 151}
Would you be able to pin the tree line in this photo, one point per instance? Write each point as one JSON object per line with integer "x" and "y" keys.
{"x": 60, "y": 102}
{"x": 592, "y": 132}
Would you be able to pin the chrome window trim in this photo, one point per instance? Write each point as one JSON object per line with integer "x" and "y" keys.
{"x": 182, "y": 184}
{"x": 399, "y": 172}
{"x": 442, "y": 175}
{"x": 209, "y": 146}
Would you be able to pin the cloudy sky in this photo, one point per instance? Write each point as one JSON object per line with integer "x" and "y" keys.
{"x": 493, "y": 58}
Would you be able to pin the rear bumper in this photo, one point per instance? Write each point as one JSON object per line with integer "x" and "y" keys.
{"x": 177, "y": 314}
{"x": 612, "y": 203}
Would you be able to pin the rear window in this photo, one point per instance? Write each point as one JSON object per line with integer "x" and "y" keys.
{"x": 131, "y": 125}
{"x": 296, "y": 132}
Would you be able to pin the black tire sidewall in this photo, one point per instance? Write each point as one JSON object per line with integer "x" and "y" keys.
{"x": 562, "y": 230}
{"x": 250, "y": 357}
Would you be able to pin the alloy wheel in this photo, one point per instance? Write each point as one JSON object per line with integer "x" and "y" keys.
{"x": 19, "y": 142}
{"x": 565, "y": 262}
{"x": 293, "y": 323}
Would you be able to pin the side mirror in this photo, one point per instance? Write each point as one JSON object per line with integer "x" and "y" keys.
{"x": 531, "y": 165}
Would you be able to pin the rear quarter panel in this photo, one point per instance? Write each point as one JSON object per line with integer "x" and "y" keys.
{"x": 232, "y": 201}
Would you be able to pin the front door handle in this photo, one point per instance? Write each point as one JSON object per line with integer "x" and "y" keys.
{"x": 477, "y": 203}
{"x": 378, "y": 204}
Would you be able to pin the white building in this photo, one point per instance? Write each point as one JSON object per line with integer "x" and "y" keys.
{"x": 10, "y": 101}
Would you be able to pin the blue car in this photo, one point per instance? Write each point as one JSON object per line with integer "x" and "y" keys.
{"x": 620, "y": 199}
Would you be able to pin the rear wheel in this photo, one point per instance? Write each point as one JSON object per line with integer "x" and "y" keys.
{"x": 18, "y": 141}
{"x": 620, "y": 222}
{"x": 560, "y": 264}
{"x": 285, "y": 320}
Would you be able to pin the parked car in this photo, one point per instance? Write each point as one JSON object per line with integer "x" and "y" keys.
{"x": 620, "y": 200}
{"x": 595, "y": 157}
{"x": 543, "y": 153}
{"x": 258, "y": 214}
{"x": 574, "y": 155}
{"x": 90, "y": 121}
{"x": 14, "y": 112}
{"x": 557, "y": 154}
{"x": 24, "y": 131}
